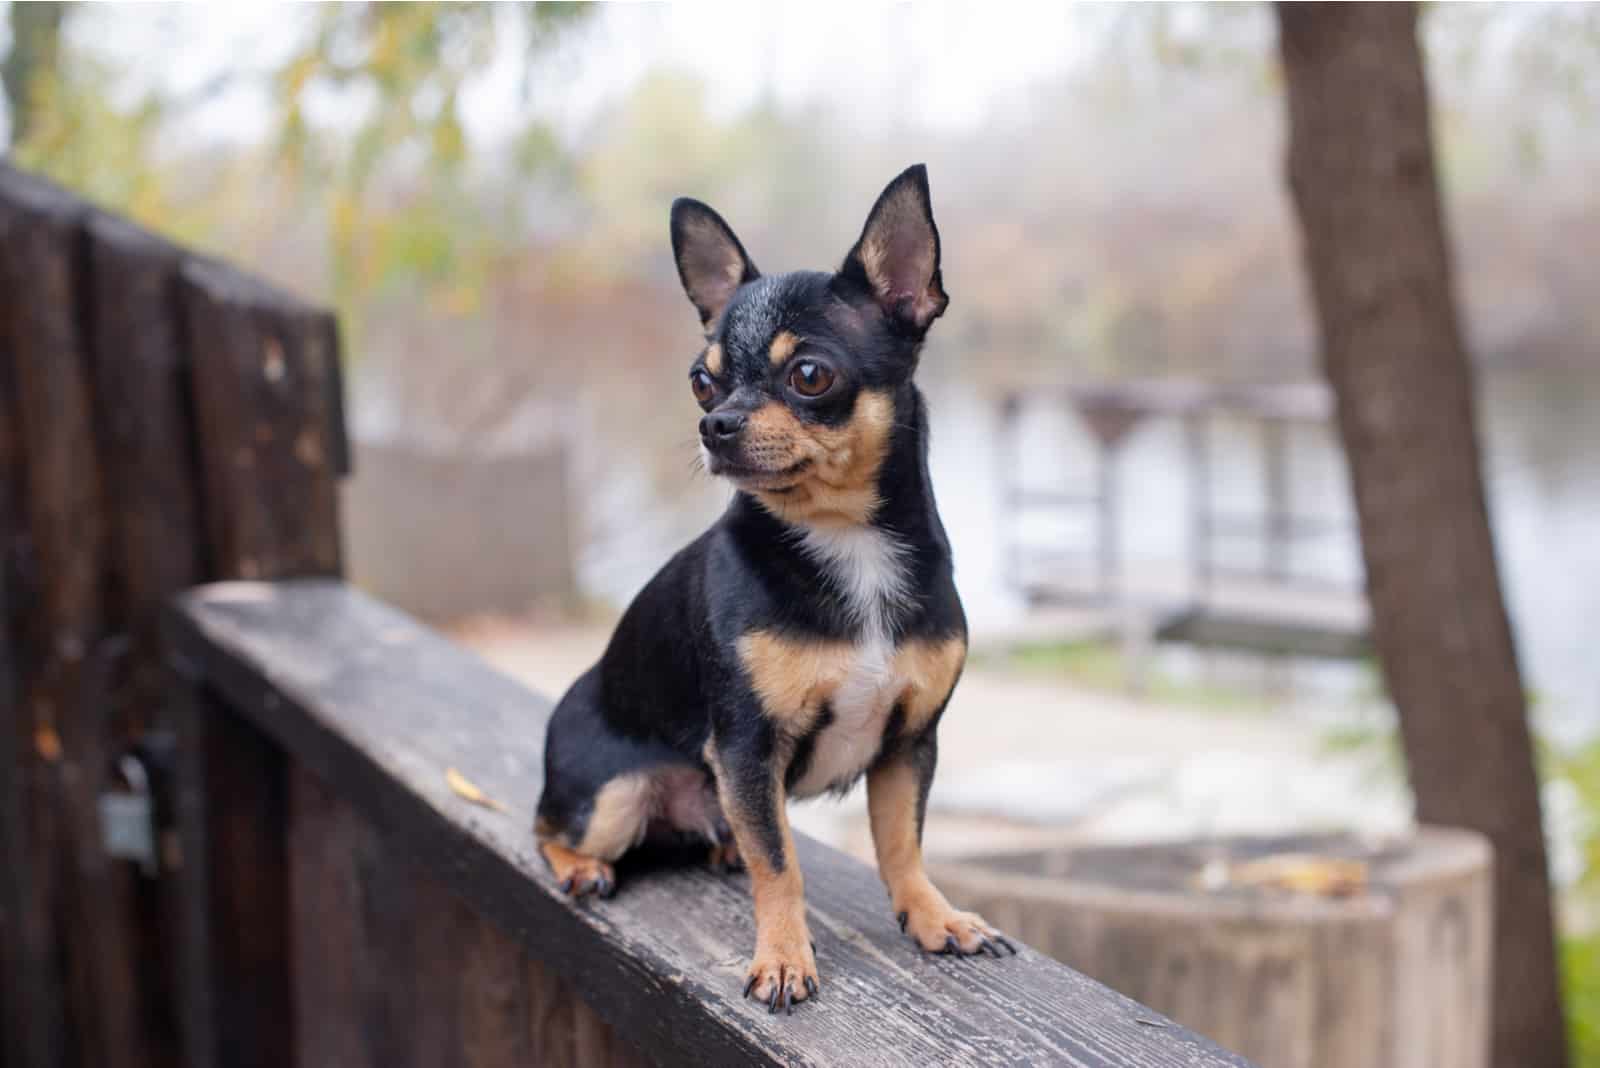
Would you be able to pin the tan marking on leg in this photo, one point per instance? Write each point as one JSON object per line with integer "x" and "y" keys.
{"x": 930, "y": 669}
{"x": 782, "y": 347}
{"x": 617, "y": 821}
{"x": 783, "y": 960}
{"x": 793, "y": 677}
{"x": 892, "y": 797}
{"x": 713, "y": 358}
{"x": 725, "y": 856}
{"x": 840, "y": 484}
{"x": 578, "y": 873}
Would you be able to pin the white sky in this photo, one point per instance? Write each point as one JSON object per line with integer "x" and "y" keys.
{"x": 944, "y": 65}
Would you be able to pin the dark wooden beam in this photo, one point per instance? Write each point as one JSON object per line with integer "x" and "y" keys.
{"x": 140, "y": 376}
{"x": 379, "y": 708}
{"x": 394, "y": 971}
{"x": 262, "y": 386}
{"x": 78, "y": 910}
{"x": 264, "y": 368}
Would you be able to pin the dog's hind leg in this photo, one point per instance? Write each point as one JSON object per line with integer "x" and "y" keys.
{"x": 581, "y": 854}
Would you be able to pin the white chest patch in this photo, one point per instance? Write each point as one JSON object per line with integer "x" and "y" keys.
{"x": 867, "y": 569}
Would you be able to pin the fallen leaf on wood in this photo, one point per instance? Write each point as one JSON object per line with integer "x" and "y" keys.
{"x": 1303, "y": 873}
{"x": 465, "y": 788}
{"x": 47, "y": 743}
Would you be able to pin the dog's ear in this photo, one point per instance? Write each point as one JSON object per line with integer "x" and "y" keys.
{"x": 711, "y": 263}
{"x": 897, "y": 256}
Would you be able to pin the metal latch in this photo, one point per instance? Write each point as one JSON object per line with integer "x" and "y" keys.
{"x": 131, "y": 820}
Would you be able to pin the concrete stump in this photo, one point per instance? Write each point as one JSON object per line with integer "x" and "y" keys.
{"x": 1325, "y": 951}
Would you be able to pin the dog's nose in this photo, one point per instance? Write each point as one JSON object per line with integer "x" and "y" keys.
{"x": 719, "y": 427}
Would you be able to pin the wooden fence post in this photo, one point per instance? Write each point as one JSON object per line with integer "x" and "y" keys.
{"x": 145, "y": 427}
{"x": 74, "y": 954}
{"x": 12, "y": 793}
{"x": 269, "y": 439}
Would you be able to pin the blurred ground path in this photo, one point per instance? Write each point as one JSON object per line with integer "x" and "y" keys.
{"x": 1025, "y": 760}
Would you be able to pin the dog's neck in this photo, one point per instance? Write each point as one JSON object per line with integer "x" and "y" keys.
{"x": 875, "y": 565}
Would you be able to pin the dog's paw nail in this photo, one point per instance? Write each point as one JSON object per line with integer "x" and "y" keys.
{"x": 1007, "y": 943}
{"x": 951, "y": 946}
{"x": 902, "y": 918}
{"x": 811, "y": 986}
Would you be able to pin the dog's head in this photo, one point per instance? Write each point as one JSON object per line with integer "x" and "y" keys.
{"x": 800, "y": 371}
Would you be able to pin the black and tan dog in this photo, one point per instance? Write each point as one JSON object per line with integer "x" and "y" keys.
{"x": 813, "y": 635}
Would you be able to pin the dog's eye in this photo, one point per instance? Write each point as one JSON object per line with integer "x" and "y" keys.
{"x": 703, "y": 387}
{"x": 810, "y": 379}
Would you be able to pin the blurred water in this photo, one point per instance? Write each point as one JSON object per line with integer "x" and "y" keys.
{"x": 1542, "y": 445}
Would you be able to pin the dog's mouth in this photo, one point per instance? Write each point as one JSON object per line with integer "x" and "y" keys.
{"x": 748, "y": 477}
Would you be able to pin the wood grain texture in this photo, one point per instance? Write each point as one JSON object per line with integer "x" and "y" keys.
{"x": 35, "y": 1008}
{"x": 13, "y": 1008}
{"x": 262, "y": 389}
{"x": 140, "y": 373}
{"x": 232, "y": 814}
{"x": 78, "y": 912}
{"x": 263, "y": 368}
{"x": 379, "y": 707}
{"x": 391, "y": 969}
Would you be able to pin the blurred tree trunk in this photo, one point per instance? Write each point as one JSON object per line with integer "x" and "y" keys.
{"x": 35, "y": 52}
{"x": 1361, "y": 171}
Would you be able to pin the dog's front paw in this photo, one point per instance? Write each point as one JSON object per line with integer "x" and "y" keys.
{"x": 783, "y": 973}
{"x": 938, "y": 928}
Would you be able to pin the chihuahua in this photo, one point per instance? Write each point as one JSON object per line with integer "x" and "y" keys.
{"x": 811, "y": 636}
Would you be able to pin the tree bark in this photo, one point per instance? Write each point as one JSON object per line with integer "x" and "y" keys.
{"x": 1361, "y": 171}
{"x": 35, "y": 54}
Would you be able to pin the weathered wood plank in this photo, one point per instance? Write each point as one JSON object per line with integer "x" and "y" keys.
{"x": 262, "y": 396}
{"x": 139, "y": 373}
{"x": 371, "y": 701}
{"x": 13, "y": 795}
{"x": 79, "y": 916}
{"x": 232, "y": 811}
{"x": 261, "y": 365}
{"x": 37, "y": 980}
{"x": 392, "y": 970}
{"x": 140, "y": 376}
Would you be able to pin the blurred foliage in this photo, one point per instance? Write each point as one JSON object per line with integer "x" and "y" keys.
{"x": 395, "y": 188}
{"x": 32, "y": 58}
{"x": 387, "y": 167}
{"x": 1580, "y": 976}
{"x": 661, "y": 140}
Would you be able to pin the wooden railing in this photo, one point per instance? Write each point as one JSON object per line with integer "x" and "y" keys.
{"x": 314, "y": 891}
{"x": 423, "y": 925}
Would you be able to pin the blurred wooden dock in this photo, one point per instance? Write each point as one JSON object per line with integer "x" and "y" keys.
{"x": 1089, "y": 592}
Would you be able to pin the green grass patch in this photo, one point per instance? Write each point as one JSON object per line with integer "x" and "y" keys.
{"x": 1580, "y": 973}
{"x": 1100, "y": 665}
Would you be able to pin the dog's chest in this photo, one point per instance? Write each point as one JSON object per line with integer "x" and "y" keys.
{"x": 860, "y": 701}
{"x": 867, "y": 570}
